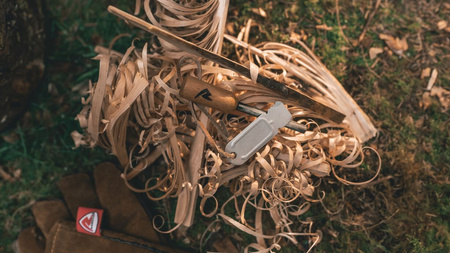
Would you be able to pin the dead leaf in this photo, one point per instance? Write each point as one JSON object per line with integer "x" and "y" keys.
{"x": 374, "y": 51}
{"x": 324, "y": 27}
{"x": 432, "y": 53}
{"x": 427, "y": 147}
{"x": 443, "y": 95}
{"x": 11, "y": 138}
{"x": 5, "y": 175}
{"x": 293, "y": 35}
{"x": 426, "y": 100}
{"x": 397, "y": 45}
{"x": 419, "y": 122}
{"x": 9, "y": 175}
{"x": 425, "y": 73}
{"x": 260, "y": 12}
{"x": 410, "y": 120}
{"x": 17, "y": 173}
{"x": 442, "y": 24}
{"x": 432, "y": 80}
{"x": 389, "y": 51}
{"x": 291, "y": 29}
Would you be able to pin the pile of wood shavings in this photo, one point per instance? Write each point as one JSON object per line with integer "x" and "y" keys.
{"x": 303, "y": 70}
{"x": 135, "y": 111}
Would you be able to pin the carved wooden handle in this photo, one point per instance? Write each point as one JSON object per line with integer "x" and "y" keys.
{"x": 212, "y": 96}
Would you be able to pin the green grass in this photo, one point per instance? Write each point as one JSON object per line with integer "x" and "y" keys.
{"x": 407, "y": 213}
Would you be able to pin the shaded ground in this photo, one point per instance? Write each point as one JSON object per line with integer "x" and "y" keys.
{"x": 406, "y": 210}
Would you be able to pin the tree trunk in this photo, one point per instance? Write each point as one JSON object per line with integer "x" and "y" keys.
{"x": 21, "y": 56}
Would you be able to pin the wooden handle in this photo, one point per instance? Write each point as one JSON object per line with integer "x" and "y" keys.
{"x": 212, "y": 96}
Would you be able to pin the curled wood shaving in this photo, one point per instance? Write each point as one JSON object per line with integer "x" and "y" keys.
{"x": 134, "y": 110}
{"x": 200, "y": 22}
{"x": 143, "y": 118}
{"x": 304, "y": 71}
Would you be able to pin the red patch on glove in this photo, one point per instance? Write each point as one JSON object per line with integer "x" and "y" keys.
{"x": 89, "y": 220}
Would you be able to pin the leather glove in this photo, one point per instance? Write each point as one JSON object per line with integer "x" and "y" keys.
{"x": 125, "y": 226}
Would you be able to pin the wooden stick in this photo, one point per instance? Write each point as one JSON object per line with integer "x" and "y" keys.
{"x": 187, "y": 200}
{"x": 280, "y": 88}
{"x": 185, "y": 210}
{"x": 369, "y": 19}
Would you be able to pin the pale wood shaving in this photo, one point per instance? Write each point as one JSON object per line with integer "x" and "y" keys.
{"x": 198, "y": 22}
{"x": 301, "y": 69}
{"x": 134, "y": 110}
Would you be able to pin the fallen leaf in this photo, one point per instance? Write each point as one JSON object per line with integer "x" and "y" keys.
{"x": 425, "y": 73}
{"x": 419, "y": 122}
{"x": 410, "y": 120}
{"x": 260, "y": 12}
{"x": 4, "y": 174}
{"x": 9, "y": 175}
{"x": 374, "y": 51}
{"x": 397, "y": 45}
{"x": 442, "y": 24}
{"x": 324, "y": 27}
{"x": 17, "y": 173}
{"x": 11, "y": 138}
{"x": 427, "y": 146}
{"x": 426, "y": 100}
{"x": 293, "y": 35}
{"x": 291, "y": 29}
{"x": 443, "y": 95}
{"x": 389, "y": 52}
{"x": 432, "y": 80}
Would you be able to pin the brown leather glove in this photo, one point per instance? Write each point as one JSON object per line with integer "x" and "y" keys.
{"x": 125, "y": 226}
